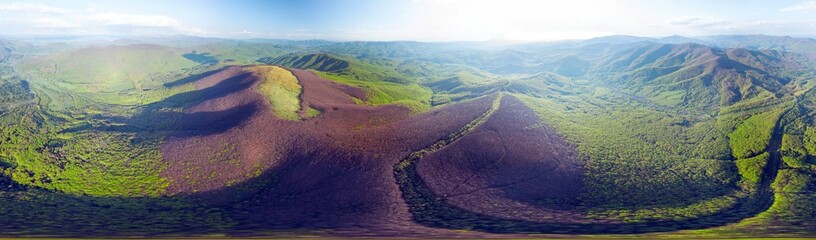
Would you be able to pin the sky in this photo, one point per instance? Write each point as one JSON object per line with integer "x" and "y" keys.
{"x": 418, "y": 20}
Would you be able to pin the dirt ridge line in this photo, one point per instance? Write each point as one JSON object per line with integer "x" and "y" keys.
{"x": 442, "y": 143}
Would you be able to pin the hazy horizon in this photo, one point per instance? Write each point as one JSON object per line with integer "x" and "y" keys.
{"x": 417, "y": 20}
{"x": 419, "y": 119}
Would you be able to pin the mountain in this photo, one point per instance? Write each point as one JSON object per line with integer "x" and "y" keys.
{"x": 699, "y": 75}
{"x": 320, "y": 62}
{"x": 683, "y": 75}
{"x": 188, "y": 137}
{"x": 345, "y": 66}
{"x": 751, "y": 42}
{"x": 764, "y": 42}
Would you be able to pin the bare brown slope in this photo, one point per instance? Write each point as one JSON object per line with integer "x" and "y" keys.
{"x": 328, "y": 172}
{"x": 511, "y": 166}
{"x": 341, "y": 174}
{"x": 200, "y": 162}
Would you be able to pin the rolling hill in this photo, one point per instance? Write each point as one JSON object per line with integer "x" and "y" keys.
{"x": 384, "y": 84}
{"x": 320, "y": 62}
{"x": 111, "y": 68}
{"x": 198, "y": 137}
{"x": 696, "y": 75}
{"x": 5, "y": 52}
{"x": 351, "y": 68}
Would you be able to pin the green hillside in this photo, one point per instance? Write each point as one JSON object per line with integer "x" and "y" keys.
{"x": 110, "y": 68}
{"x": 697, "y": 76}
{"x": 665, "y": 137}
{"x": 384, "y": 85}
{"x": 320, "y": 62}
{"x": 281, "y": 88}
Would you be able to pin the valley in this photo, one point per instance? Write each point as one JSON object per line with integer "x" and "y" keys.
{"x": 207, "y": 137}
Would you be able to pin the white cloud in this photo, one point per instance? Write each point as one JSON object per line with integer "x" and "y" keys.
{"x": 54, "y": 23}
{"x": 432, "y": 20}
{"x": 191, "y": 30}
{"x": 36, "y": 19}
{"x": 780, "y": 27}
{"x": 711, "y": 26}
{"x": 29, "y": 7}
{"x": 802, "y": 7}
{"x": 135, "y": 20}
{"x": 696, "y": 21}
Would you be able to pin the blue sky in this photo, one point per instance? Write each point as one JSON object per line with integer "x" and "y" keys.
{"x": 423, "y": 20}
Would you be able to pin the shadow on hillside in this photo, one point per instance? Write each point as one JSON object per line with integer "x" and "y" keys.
{"x": 202, "y": 58}
{"x": 289, "y": 196}
{"x": 164, "y": 116}
{"x": 168, "y": 115}
{"x": 191, "y": 78}
{"x": 430, "y": 210}
{"x": 250, "y": 208}
{"x": 29, "y": 211}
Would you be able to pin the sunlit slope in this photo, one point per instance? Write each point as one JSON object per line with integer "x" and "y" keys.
{"x": 691, "y": 75}
{"x": 282, "y": 89}
{"x": 384, "y": 85}
{"x": 688, "y": 135}
{"x": 128, "y": 75}
{"x": 111, "y": 68}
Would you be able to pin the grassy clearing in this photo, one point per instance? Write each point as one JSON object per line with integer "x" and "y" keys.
{"x": 281, "y": 88}
{"x": 668, "y": 98}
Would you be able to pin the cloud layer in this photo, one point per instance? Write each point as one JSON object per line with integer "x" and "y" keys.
{"x": 40, "y": 19}
{"x": 801, "y": 7}
{"x": 424, "y": 20}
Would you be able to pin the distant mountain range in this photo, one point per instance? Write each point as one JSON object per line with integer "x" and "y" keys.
{"x": 183, "y": 136}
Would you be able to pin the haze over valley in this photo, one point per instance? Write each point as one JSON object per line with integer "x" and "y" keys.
{"x": 128, "y": 120}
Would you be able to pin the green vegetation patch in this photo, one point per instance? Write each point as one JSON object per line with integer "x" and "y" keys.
{"x": 98, "y": 163}
{"x": 282, "y": 89}
{"x": 751, "y": 137}
{"x": 669, "y": 98}
{"x": 311, "y": 112}
{"x": 93, "y": 163}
